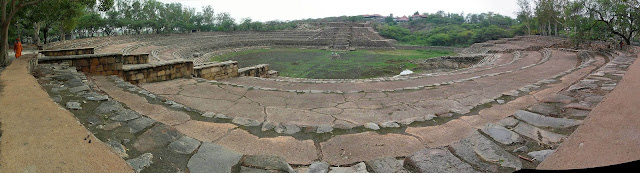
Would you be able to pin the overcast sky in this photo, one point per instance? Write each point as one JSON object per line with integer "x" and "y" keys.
{"x": 266, "y": 10}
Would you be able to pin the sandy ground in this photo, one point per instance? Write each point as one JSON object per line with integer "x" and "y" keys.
{"x": 40, "y": 136}
{"x": 610, "y": 135}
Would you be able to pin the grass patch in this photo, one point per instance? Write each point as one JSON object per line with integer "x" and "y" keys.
{"x": 320, "y": 64}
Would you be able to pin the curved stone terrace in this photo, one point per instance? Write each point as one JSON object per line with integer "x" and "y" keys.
{"x": 506, "y": 113}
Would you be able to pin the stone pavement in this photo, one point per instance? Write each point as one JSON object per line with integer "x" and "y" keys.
{"x": 40, "y": 136}
{"x": 610, "y": 135}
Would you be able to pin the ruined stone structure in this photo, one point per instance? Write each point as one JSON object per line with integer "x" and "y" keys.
{"x": 512, "y": 97}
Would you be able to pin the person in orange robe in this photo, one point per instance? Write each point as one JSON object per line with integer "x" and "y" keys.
{"x": 17, "y": 47}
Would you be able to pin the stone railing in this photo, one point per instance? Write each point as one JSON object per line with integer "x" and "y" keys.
{"x": 155, "y": 72}
{"x": 65, "y": 52}
{"x": 217, "y": 71}
{"x": 261, "y": 70}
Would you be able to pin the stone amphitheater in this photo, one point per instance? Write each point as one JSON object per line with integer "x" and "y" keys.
{"x": 507, "y": 112}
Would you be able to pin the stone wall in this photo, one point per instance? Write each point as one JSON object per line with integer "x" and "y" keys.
{"x": 260, "y": 70}
{"x": 65, "y": 52}
{"x": 155, "y": 72}
{"x": 217, "y": 71}
{"x": 450, "y": 62}
{"x": 136, "y": 59}
{"x": 98, "y": 64}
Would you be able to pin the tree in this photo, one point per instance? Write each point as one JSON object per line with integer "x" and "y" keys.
{"x": 622, "y": 17}
{"x": 8, "y": 12}
{"x": 525, "y": 14}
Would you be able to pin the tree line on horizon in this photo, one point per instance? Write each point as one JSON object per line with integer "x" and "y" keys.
{"x": 53, "y": 20}
{"x": 579, "y": 20}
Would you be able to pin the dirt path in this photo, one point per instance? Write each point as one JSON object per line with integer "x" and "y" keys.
{"x": 40, "y": 136}
{"x": 610, "y": 134}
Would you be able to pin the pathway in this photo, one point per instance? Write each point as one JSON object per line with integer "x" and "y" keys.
{"x": 610, "y": 134}
{"x": 40, "y": 136}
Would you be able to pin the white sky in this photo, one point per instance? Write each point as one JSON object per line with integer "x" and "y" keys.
{"x": 266, "y": 10}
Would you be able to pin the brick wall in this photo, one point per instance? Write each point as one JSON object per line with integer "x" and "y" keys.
{"x": 217, "y": 71}
{"x": 97, "y": 64}
{"x": 261, "y": 70}
{"x": 66, "y": 52}
{"x": 136, "y": 59}
{"x": 155, "y": 72}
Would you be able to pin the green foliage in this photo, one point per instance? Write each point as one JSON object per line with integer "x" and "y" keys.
{"x": 310, "y": 63}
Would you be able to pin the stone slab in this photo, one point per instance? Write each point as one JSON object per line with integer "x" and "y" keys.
{"x": 352, "y": 148}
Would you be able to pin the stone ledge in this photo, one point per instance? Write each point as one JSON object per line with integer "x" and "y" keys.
{"x": 72, "y": 57}
{"x": 152, "y": 65}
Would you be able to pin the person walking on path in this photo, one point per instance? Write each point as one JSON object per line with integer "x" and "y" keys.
{"x": 621, "y": 44}
{"x": 17, "y": 47}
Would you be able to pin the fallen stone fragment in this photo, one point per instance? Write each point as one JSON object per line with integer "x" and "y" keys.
{"x": 74, "y": 105}
{"x": 501, "y": 134}
{"x": 111, "y": 126}
{"x": 209, "y": 114}
{"x": 141, "y": 162}
{"x": 542, "y": 108}
{"x": 94, "y": 120}
{"x": 341, "y": 124}
{"x": 184, "y": 145}
{"x": 386, "y": 164}
{"x": 318, "y": 167}
{"x": 389, "y": 124}
{"x": 429, "y": 117}
{"x": 577, "y": 112}
{"x": 213, "y": 158}
{"x": 268, "y": 126}
{"x": 79, "y": 88}
{"x": 358, "y": 168}
{"x": 57, "y": 98}
{"x": 140, "y": 124}
{"x": 477, "y": 147}
{"x": 267, "y": 163}
{"x": 222, "y": 116}
{"x": 287, "y": 128}
{"x": 245, "y": 122}
{"x": 540, "y": 155}
{"x": 158, "y": 136}
{"x": 125, "y": 115}
{"x": 578, "y": 106}
{"x": 507, "y": 122}
{"x": 372, "y": 126}
{"x": 118, "y": 148}
{"x": 244, "y": 169}
{"x": 543, "y": 121}
{"x": 325, "y": 128}
{"x": 558, "y": 98}
{"x": 500, "y": 101}
{"x": 108, "y": 107}
{"x": 521, "y": 149}
{"x": 93, "y": 96}
{"x": 539, "y": 135}
{"x": 436, "y": 160}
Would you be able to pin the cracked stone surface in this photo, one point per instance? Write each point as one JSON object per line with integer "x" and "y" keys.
{"x": 345, "y": 149}
{"x": 543, "y": 121}
{"x": 213, "y": 158}
{"x": 478, "y": 147}
{"x": 436, "y": 160}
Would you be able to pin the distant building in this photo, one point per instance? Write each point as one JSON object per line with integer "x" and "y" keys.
{"x": 402, "y": 19}
{"x": 372, "y": 16}
{"x": 418, "y": 16}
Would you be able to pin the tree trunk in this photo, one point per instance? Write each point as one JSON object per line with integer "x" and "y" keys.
{"x": 4, "y": 47}
{"x": 45, "y": 32}
{"x": 62, "y": 32}
{"x": 36, "y": 32}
